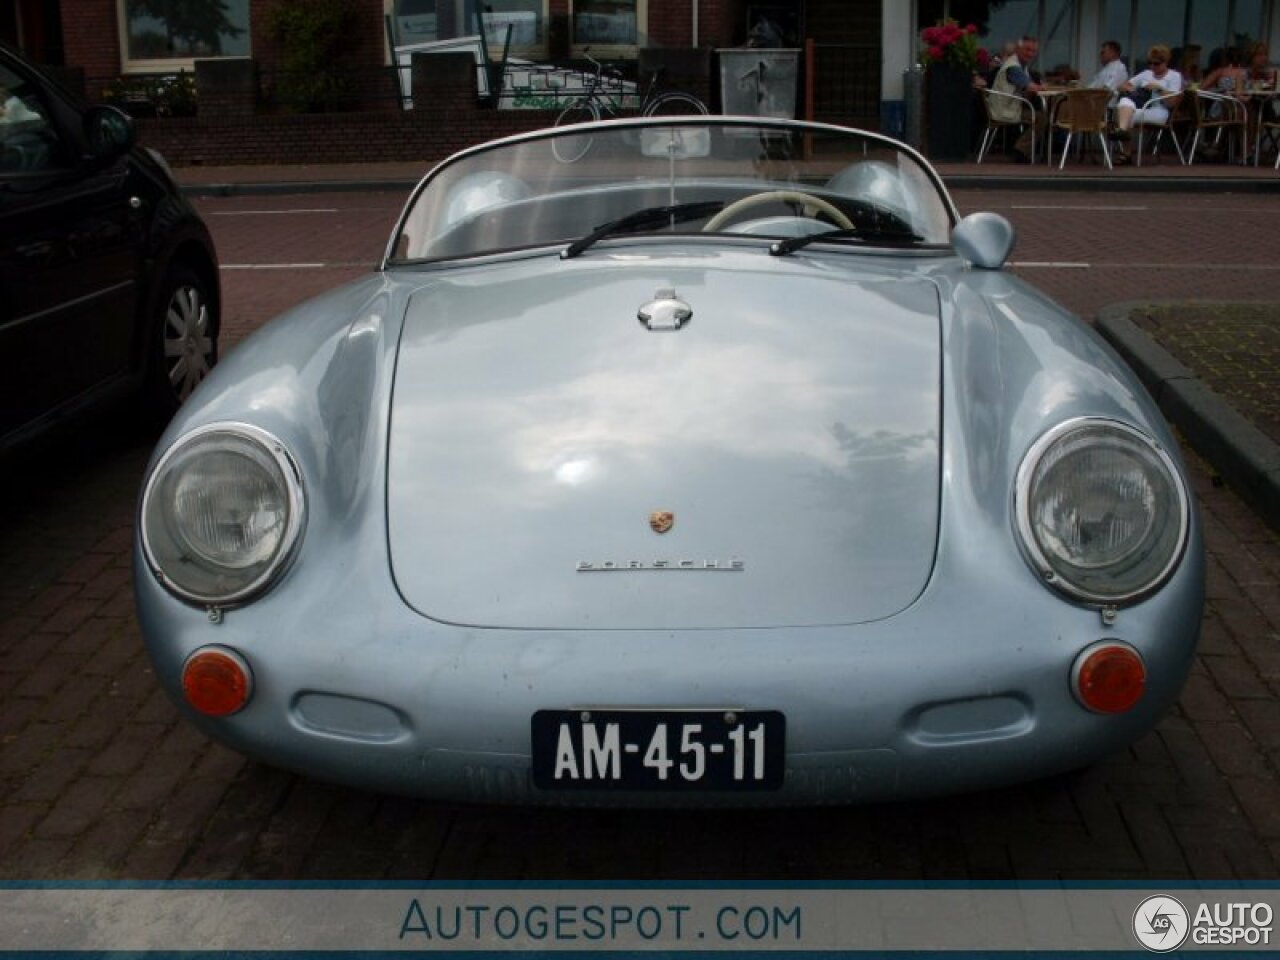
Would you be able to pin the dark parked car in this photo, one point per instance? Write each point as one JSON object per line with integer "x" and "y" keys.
{"x": 108, "y": 277}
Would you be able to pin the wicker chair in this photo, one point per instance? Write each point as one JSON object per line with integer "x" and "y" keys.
{"x": 1171, "y": 101}
{"x": 995, "y": 124}
{"x": 1082, "y": 112}
{"x": 1221, "y": 115}
{"x": 1268, "y": 126}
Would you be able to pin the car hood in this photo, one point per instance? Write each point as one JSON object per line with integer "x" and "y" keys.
{"x": 790, "y": 429}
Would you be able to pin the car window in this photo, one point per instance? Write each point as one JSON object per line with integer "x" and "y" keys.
{"x": 28, "y": 141}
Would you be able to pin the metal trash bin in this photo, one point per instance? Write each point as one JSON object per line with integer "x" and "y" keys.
{"x": 759, "y": 82}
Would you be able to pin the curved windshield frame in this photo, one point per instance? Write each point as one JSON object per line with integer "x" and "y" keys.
{"x": 696, "y": 177}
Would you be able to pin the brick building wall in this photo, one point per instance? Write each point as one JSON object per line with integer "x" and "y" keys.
{"x": 447, "y": 116}
{"x": 91, "y": 38}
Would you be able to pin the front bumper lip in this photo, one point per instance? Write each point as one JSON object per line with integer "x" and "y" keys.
{"x": 460, "y": 744}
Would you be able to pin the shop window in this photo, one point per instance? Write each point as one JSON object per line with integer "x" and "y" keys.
{"x": 171, "y": 34}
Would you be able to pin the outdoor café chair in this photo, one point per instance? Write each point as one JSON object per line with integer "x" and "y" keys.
{"x": 996, "y": 124}
{"x": 1081, "y": 111}
{"x": 1268, "y": 127}
{"x": 1171, "y": 102}
{"x": 1222, "y": 115}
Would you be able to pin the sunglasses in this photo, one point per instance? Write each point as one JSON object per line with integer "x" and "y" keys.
{"x": 1157, "y": 63}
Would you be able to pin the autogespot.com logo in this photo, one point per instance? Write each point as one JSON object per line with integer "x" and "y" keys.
{"x": 1161, "y": 923}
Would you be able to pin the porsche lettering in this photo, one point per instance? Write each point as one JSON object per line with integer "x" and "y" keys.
{"x": 628, "y": 566}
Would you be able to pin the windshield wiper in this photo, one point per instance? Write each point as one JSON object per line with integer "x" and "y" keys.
{"x": 649, "y": 217}
{"x": 892, "y": 238}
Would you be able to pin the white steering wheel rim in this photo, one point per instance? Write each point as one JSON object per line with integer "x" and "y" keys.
{"x": 807, "y": 201}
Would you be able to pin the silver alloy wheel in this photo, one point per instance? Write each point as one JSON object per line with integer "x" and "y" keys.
{"x": 188, "y": 348}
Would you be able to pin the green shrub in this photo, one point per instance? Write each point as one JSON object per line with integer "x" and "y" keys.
{"x": 315, "y": 45}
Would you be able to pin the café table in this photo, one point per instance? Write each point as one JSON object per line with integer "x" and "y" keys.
{"x": 1050, "y": 98}
{"x": 1259, "y": 100}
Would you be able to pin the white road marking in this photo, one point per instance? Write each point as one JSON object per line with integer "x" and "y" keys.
{"x": 1060, "y": 265}
{"x": 249, "y": 213}
{"x": 275, "y": 266}
{"x": 1051, "y": 264}
{"x": 1050, "y": 206}
{"x": 1198, "y": 211}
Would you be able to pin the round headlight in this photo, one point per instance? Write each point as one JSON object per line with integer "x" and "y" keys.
{"x": 221, "y": 513}
{"x": 1102, "y": 512}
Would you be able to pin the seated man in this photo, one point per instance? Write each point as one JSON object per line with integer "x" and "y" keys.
{"x": 1014, "y": 77}
{"x": 1113, "y": 74}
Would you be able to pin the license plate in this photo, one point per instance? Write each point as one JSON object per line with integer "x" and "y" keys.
{"x": 676, "y": 750}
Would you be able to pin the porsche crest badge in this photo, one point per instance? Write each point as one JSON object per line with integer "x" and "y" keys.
{"x": 662, "y": 520}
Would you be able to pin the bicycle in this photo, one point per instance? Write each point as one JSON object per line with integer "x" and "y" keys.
{"x": 594, "y": 106}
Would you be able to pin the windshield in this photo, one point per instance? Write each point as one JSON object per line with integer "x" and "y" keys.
{"x": 584, "y": 185}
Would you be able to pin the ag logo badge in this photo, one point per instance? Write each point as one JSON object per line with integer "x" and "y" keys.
{"x": 1161, "y": 924}
{"x": 662, "y": 520}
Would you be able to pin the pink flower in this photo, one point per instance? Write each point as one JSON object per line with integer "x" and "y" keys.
{"x": 984, "y": 59}
{"x": 971, "y": 28}
{"x": 930, "y": 35}
{"x": 937, "y": 53}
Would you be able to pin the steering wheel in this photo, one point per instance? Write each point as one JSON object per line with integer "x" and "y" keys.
{"x": 812, "y": 207}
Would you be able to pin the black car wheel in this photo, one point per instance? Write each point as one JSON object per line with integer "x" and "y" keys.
{"x": 186, "y": 339}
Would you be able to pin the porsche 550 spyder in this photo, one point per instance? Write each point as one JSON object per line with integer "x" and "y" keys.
{"x": 721, "y": 463}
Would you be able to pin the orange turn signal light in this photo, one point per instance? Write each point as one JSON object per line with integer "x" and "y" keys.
{"x": 1109, "y": 677}
{"x": 216, "y": 681}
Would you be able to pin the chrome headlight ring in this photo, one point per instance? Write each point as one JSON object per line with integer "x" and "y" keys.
{"x": 222, "y": 514}
{"x": 1102, "y": 512}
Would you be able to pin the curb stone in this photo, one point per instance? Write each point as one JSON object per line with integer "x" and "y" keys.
{"x": 1247, "y": 458}
{"x": 287, "y": 187}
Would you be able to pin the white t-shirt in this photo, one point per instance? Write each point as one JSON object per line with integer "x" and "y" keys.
{"x": 1171, "y": 82}
{"x": 1112, "y": 76}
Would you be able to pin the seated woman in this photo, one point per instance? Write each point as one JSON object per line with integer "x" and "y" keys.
{"x": 1135, "y": 106}
{"x": 1231, "y": 78}
{"x": 1262, "y": 76}
{"x": 1262, "y": 73}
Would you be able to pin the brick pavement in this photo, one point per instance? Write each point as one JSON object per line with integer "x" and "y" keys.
{"x": 100, "y": 779}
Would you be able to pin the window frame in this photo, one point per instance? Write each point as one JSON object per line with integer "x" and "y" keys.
{"x": 129, "y": 65}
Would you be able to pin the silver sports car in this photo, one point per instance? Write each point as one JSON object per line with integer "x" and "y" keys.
{"x": 706, "y": 461}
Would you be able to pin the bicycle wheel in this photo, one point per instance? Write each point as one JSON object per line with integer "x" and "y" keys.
{"x": 673, "y": 103}
{"x": 570, "y": 149}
